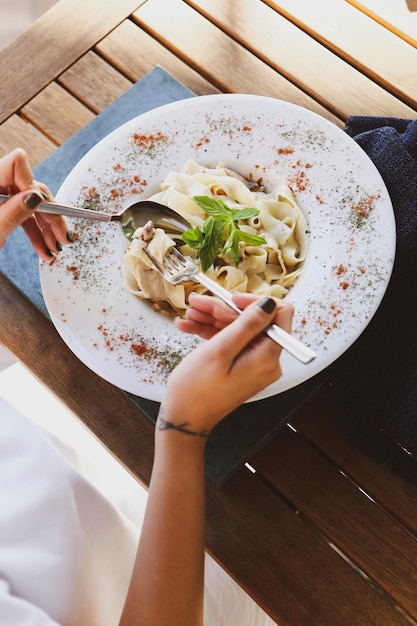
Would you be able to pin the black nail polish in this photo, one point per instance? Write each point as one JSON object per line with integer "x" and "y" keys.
{"x": 267, "y": 304}
{"x": 58, "y": 246}
{"x": 32, "y": 200}
{"x": 49, "y": 252}
{"x": 70, "y": 237}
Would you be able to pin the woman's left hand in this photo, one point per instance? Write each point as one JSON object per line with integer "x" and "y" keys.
{"x": 46, "y": 232}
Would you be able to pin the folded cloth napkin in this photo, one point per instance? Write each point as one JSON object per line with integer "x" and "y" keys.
{"x": 375, "y": 382}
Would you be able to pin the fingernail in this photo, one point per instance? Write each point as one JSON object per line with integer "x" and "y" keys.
{"x": 267, "y": 304}
{"x": 70, "y": 237}
{"x": 45, "y": 195}
{"x": 58, "y": 246}
{"x": 49, "y": 252}
{"x": 32, "y": 200}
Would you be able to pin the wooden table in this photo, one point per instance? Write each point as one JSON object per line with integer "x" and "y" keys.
{"x": 318, "y": 534}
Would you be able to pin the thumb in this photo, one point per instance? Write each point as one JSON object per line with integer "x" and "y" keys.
{"x": 16, "y": 210}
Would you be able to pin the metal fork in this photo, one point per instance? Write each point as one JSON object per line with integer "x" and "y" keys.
{"x": 177, "y": 269}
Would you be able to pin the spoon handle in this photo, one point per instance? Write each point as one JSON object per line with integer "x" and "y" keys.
{"x": 68, "y": 211}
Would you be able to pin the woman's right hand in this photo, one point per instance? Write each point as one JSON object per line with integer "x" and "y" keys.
{"x": 237, "y": 362}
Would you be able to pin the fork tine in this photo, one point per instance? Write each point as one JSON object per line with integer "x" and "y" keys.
{"x": 171, "y": 262}
{"x": 154, "y": 262}
{"x": 174, "y": 270}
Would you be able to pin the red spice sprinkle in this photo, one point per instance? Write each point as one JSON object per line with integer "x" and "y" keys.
{"x": 336, "y": 310}
{"x": 300, "y": 180}
{"x": 202, "y": 141}
{"x": 344, "y": 285}
{"x": 148, "y": 141}
{"x": 138, "y": 348}
{"x": 246, "y": 128}
{"x": 91, "y": 193}
{"x": 285, "y": 150}
{"x": 74, "y": 271}
{"x": 341, "y": 270}
{"x": 258, "y": 181}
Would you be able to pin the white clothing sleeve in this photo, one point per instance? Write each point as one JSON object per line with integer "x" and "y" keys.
{"x": 66, "y": 554}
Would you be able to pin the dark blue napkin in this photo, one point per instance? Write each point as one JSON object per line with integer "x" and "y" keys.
{"x": 375, "y": 382}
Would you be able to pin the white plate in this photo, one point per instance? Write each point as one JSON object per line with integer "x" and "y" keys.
{"x": 351, "y": 250}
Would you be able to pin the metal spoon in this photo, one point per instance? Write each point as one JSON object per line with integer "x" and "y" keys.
{"x": 133, "y": 216}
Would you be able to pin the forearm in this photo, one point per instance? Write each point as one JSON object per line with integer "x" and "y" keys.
{"x": 168, "y": 578}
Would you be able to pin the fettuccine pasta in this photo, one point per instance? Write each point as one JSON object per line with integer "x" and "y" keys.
{"x": 267, "y": 269}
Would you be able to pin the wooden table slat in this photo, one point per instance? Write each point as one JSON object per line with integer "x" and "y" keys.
{"x": 293, "y": 562}
{"x": 392, "y": 489}
{"x": 356, "y": 525}
{"x": 18, "y": 133}
{"x": 66, "y": 32}
{"x": 221, "y": 60}
{"x": 94, "y": 82}
{"x": 369, "y": 46}
{"x": 58, "y": 114}
{"x": 330, "y": 80}
{"x": 134, "y": 53}
{"x": 399, "y": 19}
{"x": 316, "y": 422}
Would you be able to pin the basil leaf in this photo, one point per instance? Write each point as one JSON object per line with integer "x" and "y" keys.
{"x": 216, "y": 208}
{"x": 220, "y": 229}
{"x": 251, "y": 240}
{"x": 234, "y": 248}
{"x": 193, "y": 237}
{"x": 243, "y": 214}
{"x": 213, "y": 231}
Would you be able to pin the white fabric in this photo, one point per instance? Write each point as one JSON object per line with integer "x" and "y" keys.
{"x": 66, "y": 552}
{"x": 66, "y": 555}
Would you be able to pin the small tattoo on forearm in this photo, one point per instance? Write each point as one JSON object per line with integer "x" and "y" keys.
{"x": 164, "y": 424}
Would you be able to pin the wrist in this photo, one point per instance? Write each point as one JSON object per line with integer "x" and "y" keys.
{"x": 167, "y": 422}
{"x": 173, "y": 431}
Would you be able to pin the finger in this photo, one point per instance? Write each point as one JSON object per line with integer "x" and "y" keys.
{"x": 207, "y": 318}
{"x": 36, "y": 236}
{"x": 15, "y": 172}
{"x": 284, "y": 314}
{"x": 54, "y": 225}
{"x": 211, "y": 306}
{"x": 54, "y": 230}
{"x": 46, "y": 192}
{"x": 15, "y": 211}
{"x": 205, "y": 331}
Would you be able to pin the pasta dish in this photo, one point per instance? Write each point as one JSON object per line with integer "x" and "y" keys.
{"x": 240, "y": 236}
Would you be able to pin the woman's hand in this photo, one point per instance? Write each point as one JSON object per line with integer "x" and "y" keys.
{"x": 46, "y": 232}
{"x": 236, "y": 363}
